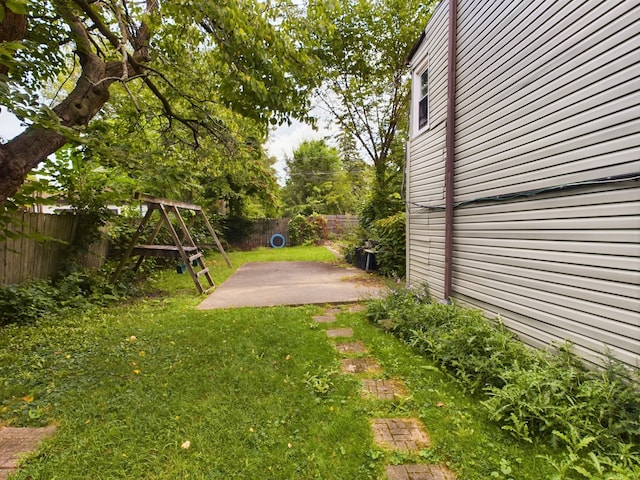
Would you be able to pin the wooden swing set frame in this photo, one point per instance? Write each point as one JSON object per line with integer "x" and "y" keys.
{"x": 183, "y": 247}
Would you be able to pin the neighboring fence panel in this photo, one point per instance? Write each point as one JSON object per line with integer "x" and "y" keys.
{"x": 26, "y": 258}
{"x": 264, "y": 229}
{"x": 339, "y": 224}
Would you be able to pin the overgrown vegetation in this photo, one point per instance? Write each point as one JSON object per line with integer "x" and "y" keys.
{"x": 536, "y": 396}
{"x": 387, "y": 239}
{"x": 311, "y": 230}
{"x": 31, "y": 301}
{"x": 391, "y": 248}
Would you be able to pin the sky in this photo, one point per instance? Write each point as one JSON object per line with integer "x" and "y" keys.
{"x": 284, "y": 140}
{"x": 9, "y": 125}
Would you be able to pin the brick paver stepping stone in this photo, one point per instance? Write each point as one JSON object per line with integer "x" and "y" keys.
{"x": 16, "y": 441}
{"x": 360, "y": 365}
{"x": 333, "y": 311}
{"x": 324, "y": 318}
{"x": 340, "y": 332}
{"x": 384, "y": 389}
{"x": 356, "y": 308}
{"x": 352, "y": 347}
{"x": 406, "y": 434}
{"x": 419, "y": 472}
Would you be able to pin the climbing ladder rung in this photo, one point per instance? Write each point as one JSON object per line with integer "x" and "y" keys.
{"x": 195, "y": 257}
{"x": 202, "y": 272}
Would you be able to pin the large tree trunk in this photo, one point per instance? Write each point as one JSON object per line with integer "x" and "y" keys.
{"x": 22, "y": 154}
{"x": 19, "y": 156}
{"x": 12, "y": 28}
{"x": 25, "y": 152}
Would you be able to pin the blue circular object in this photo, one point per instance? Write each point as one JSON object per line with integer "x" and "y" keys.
{"x": 274, "y": 237}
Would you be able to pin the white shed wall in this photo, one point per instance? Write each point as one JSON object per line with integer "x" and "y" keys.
{"x": 548, "y": 94}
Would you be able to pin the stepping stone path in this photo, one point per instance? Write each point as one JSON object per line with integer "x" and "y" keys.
{"x": 404, "y": 434}
{"x": 360, "y": 365}
{"x": 419, "y": 472}
{"x": 324, "y": 318}
{"x": 328, "y": 317}
{"x": 15, "y": 442}
{"x": 340, "y": 332}
{"x": 353, "y": 347}
{"x": 400, "y": 434}
{"x": 384, "y": 389}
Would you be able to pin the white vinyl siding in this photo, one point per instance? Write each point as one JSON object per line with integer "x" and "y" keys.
{"x": 548, "y": 95}
{"x": 425, "y": 232}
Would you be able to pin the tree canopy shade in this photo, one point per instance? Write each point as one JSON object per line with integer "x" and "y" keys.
{"x": 195, "y": 69}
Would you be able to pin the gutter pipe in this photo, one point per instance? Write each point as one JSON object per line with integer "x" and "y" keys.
{"x": 449, "y": 179}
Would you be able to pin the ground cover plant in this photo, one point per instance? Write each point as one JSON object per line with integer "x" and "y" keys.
{"x": 153, "y": 388}
{"x": 541, "y": 397}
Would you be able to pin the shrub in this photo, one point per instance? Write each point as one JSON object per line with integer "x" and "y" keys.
{"x": 557, "y": 393}
{"x": 593, "y": 413}
{"x": 30, "y": 301}
{"x": 459, "y": 339}
{"x": 391, "y": 249}
{"x": 318, "y": 227}
{"x": 307, "y": 230}
{"x": 26, "y": 302}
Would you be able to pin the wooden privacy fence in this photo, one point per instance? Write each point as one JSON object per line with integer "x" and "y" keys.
{"x": 339, "y": 224}
{"x": 264, "y": 229}
{"x": 26, "y": 258}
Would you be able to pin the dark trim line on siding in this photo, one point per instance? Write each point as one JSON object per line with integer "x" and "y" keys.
{"x": 415, "y": 47}
{"x": 450, "y": 142}
{"x": 626, "y": 177}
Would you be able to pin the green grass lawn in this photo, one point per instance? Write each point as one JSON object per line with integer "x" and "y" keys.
{"x": 155, "y": 389}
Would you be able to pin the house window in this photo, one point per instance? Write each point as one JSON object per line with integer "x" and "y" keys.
{"x": 423, "y": 102}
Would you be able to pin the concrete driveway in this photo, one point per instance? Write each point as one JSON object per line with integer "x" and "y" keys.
{"x": 266, "y": 284}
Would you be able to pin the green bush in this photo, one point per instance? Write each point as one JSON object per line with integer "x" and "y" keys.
{"x": 556, "y": 393}
{"x": 391, "y": 249}
{"x": 26, "y": 302}
{"x": 536, "y": 395}
{"x": 310, "y": 230}
{"x": 459, "y": 339}
{"x": 30, "y": 301}
{"x": 384, "y": 202}
{"x": 318, "y": 227}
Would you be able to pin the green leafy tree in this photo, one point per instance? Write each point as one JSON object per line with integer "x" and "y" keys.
{"x": 362, "y": 46}
{"x": 359, "y": 173}
{"x": 237, "y": 171}
{"x": 316, "y": 182}
{"x": 89, "y": 188}
{"x": 199, "y": 66}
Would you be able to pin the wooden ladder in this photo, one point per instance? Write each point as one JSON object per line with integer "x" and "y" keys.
{"x": 184, "y": 247}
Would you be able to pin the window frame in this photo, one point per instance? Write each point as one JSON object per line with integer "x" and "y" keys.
{"x": 418, "y": 97}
